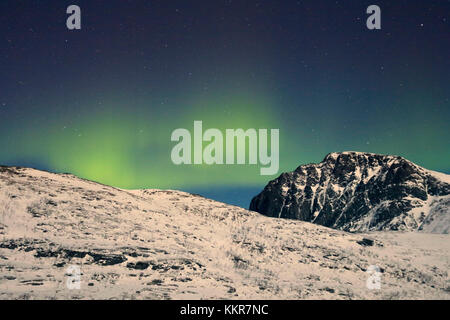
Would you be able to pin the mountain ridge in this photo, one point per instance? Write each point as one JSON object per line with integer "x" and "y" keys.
{"x": 360, "y": 191}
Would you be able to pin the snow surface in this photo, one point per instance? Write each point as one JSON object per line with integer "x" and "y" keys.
{"x": 165, "y": 244}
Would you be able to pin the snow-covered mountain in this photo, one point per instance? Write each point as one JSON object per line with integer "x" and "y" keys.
{"x": 357, "y": 191}
{"x": 155, "y": 244}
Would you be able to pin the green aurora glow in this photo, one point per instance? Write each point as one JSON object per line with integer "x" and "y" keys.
{"x": 102, "y": 102}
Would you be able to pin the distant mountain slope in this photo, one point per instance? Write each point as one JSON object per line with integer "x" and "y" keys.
{"x": 357, "y": 191}
{"x": 154, "y": 244}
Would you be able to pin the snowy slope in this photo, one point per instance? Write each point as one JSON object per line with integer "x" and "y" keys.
{"x": 154, "y": 244}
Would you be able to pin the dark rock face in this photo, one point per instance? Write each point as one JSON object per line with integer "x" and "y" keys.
{"x": 356, "y": 191}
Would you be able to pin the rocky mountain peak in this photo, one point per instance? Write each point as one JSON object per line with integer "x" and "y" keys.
{"x": 357, "y": 191}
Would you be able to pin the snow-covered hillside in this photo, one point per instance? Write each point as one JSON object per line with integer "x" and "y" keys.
{"x": 153, "y": 244}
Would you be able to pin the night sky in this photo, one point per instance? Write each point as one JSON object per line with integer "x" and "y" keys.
{"x": 101, "y": 102}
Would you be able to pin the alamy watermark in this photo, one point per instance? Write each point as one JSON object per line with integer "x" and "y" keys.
{"x": 73, "y": 281}
{"x": 220, "y": 148}
{"x": 73, "y": 22}
{"x": 374, "y": 20}
{"x": 373, "y": 282}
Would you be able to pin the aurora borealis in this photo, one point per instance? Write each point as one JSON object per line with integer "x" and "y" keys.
{"x": 102, "y": 102}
